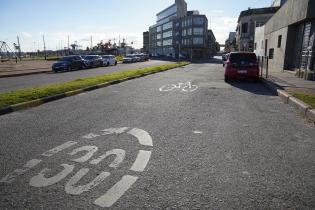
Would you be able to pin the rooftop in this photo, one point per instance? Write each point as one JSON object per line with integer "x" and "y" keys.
{"x": 258, "y": 11}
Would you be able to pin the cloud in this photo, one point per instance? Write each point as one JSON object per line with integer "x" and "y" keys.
{"x": 28, "y": 35}
{"x": 222, "y": 26}
{"x": 216, "y": 12}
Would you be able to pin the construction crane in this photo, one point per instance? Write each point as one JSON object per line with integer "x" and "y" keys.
{"x": 6, "y": 53}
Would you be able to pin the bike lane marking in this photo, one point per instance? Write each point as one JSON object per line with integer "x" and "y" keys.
{"x": 86, "y": 153}
{"x": 185, "y": 87}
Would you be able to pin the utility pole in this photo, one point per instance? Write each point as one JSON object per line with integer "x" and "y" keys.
{"x": 91, "y": 42}
{"x": 19, "y": 46}
{"x": 44, "y": 47}
{"x": 68, "y": 45}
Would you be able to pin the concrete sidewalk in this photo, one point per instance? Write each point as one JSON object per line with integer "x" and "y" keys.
{"x": 10, "y": 68}
{"x": 285, "y": 83}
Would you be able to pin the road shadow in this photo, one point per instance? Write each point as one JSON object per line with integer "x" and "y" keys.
{"x": 256, "y": 88}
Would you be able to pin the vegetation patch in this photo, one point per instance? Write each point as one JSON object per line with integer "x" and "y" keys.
{"x": 306, "y": 98}
{"x": 24, "y": 95}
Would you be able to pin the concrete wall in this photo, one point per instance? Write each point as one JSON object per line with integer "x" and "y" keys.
{"x": 277, "y": 63}
{"x": 260, "y": 40}
{"x": 291, "y": 12}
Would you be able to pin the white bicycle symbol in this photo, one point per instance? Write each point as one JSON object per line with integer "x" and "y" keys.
{"x": 186, "y": 87}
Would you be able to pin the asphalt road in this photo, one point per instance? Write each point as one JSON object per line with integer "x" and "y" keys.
{"x": 214, "y": 146}
{"x": 20, "y": 82}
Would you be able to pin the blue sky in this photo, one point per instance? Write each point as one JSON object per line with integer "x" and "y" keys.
{"x": 103, "y": 19}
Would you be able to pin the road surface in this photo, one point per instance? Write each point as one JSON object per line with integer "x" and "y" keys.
{"x": 181, "y": 139}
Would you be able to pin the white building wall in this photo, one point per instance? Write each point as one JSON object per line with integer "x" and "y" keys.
{"x": 259, "y": 41}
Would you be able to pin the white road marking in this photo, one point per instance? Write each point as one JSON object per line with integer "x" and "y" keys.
{"x": 167, "y": 88}
{"x": 119, "y": 153}
{"x": 141, "y": 161}
{"x": 114, "y": 130}
{"x": 17, "y": 172}
{"x": 59, "y": 148}
{"x": 77, "y": 190}
{"x": 115, "y": 192}
{"x": 143, "y": 137}
{"x": 186, "y": 87}
{"x": 90, "y": 151}
{"x": 90, "y": 136}
{"x": 40, "y": 180}
{"x": 197, "y": 132}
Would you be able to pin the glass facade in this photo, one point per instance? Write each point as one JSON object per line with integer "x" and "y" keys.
{"x": 198, "y": 40}
{"x": 199, "y": 20}
{"x": 167, "y": 34}
{"x": 167, "y": 42}
{"x": 198, "y": 31}
{"x": 168, "y": 25}
{"x": 170, "y": 12}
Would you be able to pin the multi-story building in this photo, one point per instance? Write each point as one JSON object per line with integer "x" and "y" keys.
{"x": 230, "y": 43}
{"x": 179, "y": 32}
{"x": 246, "y": 24}
{"x": 289, "y": 38}
{"x": 145, "y": 48}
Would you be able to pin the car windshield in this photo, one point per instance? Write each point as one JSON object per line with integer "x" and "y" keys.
{"x": 242, "y": 58}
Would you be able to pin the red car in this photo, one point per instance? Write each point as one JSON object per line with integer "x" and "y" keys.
{"x": 241, "y": 65}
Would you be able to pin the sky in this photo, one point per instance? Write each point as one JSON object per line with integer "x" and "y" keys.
{"x": 103, "y": 20}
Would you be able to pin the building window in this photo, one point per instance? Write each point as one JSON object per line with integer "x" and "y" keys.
{"x": 168, "y": 25}
{"x": 255, "y": 46}
{"x": 167, "y": 34}
{"x": 271, "y": 53}
{"x": 184, "y": 32}
{"x": 158, "y": 29}
{"x": 170, "y": 11}
{"x": 158, "y": 36}
{"x": 198, "y": 40}
{"x": 189, "y": 31}
{"x": 167, "y": 42}
{"x": 244, "y": 28}
{"x": 279, "y": 41}
{"x": 199, "y": 21}
{"x": 158, "y": 43}
{"x": 198, "y": 31}
{"x": 189, "y": 22}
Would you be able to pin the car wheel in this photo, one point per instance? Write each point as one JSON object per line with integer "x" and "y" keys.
{"x": 115, "y": 63}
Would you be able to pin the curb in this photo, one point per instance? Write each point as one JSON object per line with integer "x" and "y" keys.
{"x": 303, "y": 109}
{"x": 37, "y": 102}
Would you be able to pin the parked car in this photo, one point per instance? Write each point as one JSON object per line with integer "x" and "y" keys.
{"x": 137, "y": 57}
{"x": 93, "y": 60}
{"x": 241, "y": 65}
{"x": 109, "y": 60}
{"x": 69, "y": 63}
{"x": 141, "y": 56}
{"x": 129, "y": 59}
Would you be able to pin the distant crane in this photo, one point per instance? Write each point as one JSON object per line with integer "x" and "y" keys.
{"x": 6, "y": 53}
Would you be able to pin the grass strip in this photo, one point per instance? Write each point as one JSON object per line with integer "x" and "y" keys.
{"x": 306, "y": 98}
{"x": 24, "y": 95}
